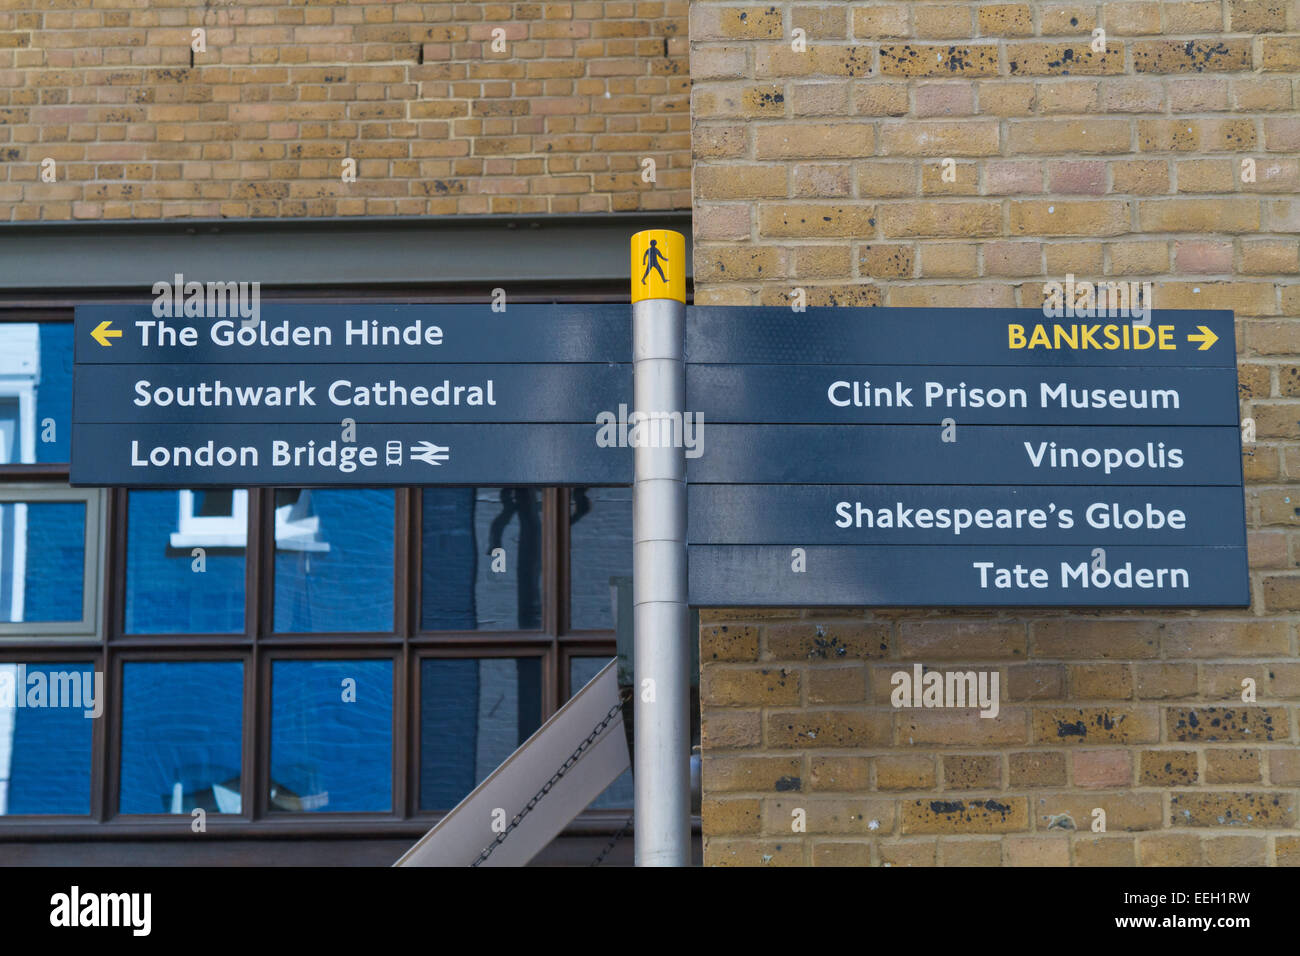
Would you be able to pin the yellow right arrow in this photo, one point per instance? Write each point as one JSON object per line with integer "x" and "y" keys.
{"x": 104, "y": 331}
{"x": 1206, "y": 338}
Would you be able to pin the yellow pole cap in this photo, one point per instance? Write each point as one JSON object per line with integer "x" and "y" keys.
{"x": 658, "y": 265}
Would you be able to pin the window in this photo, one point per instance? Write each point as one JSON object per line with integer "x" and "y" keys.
{"x": 281, "y": 658}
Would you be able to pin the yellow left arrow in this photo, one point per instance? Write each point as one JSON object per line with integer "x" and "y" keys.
{"x": 104, "y": 331}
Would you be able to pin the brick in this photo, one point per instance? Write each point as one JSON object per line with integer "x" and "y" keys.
{"x": 878, "y": 179}
{"x": 826, "y": 729}
{"x": 961, "y": 727}
{"x": 1284, "y": 767}
{"x": 1096, "y": 769}
{"x": 1236, "y": 809}
{"x": 836, "y": 685}
{"x": 828, "y": 815}
{"x": 940, "y": 139}
{"x": 1237, "y": 722}
{"x": 1037, "y": 851}
{"x": 1199, "y": 215}
{"x": 1236, "y": 851}
{"x": 1070, "y": 58}
{"x": 751, "y": 773}
{"x": 1126, "y": 810}
{"x": 1164, "y": 681}
{"x": 822, "y": 180}
{"x": 1005, "y": 20}
{"x": 841, "y": 854}
{"x": 892, "y": 261}
{"x": 1206, "y": 639}
{"x": 1036, "y": 768}
{"x": 726, "y": 730}
{"x": 1143, "y": 177}
{"x": 972, "y": 771}
{"x": 1068, "y": 136}
{"x": 1232, "y": 766}
{"x": 1188, "y": 56}
{"x": 964, "y": 816}
{"x": 1256, "y": 16}
{"x": 1094, "y": 640}
{"x": 1012, "y": 178}
{"x": 748, "y": 687}
{"x": 1057, "y": 218}
{"x": 905, "y": 772}
{"x": 834, "y": 773}
{"x": 1168, "y": 768}
{"x": 826, "y": 641}
{"x": 731, "y": 816}
{"x": 1131, "y": 19}
{"x": 873, "y": 22}
{"x": 941, "y": 21}
{"x": 732, "y": 852}
{"x": 933, "y": 219}
{"x": 813, "y": 140}
{"x": 919, "y": 59}
{"x": 970, "y": 852}
{"x": 741, "y": 182}
{"x": 1100, "y": 681}
{"x": 908, "y": 853}
{"x": 1105, "y": 851}
{"x": 815, "y": 219}
{"x": 1095, "y": 725}
{"x": 945, "y": 259}
{"x": 1169, "y": 849}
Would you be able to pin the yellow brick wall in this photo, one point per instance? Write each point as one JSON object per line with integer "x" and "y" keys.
{"x": 258, "y": 125}
{"x": 821, "y": 170}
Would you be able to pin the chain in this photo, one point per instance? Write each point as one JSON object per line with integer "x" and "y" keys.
{"x": 613, "y": 841}
{"x": 550, "y": 784}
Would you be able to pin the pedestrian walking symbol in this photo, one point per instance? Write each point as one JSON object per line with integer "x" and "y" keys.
{"x": 659, "y": 258}
{"x": 652, "y": 256}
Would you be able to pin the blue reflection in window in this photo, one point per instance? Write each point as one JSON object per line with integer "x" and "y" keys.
{"x": 45, "y": 749}
{"x": 331, "y": 735}
{"x": 36, "y": 403}
{"x": 334, "y": 560}
{"x": 54, "y": 393}
{"x": 165, "y": 594}
{"x": 182, "y": 736}
{"x": 601, "y": 534}
{"x": 42, "y": 560}
{"x": 618, "y": 795}
{"x": 474, "y": 713}
{"x": 465, "y": 586}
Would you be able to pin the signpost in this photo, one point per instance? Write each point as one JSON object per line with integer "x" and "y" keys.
{"x": 985, "y": 457}
{"x": 860, "y": 457}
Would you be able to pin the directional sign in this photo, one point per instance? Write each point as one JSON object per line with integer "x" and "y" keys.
{"x": 369, "y": 395}
{"x": 746, "y": 576}
{"x": 288, "y": 333}
{"x": 194, "y": 456}
{"x": 972, "y": 395}
{"x": 365, "y": 393}
{"x": 964, "y": 514}
{"x": 769, "y": 335}
{"x": 981, "y": 454}
{"x": 949, "y": 457}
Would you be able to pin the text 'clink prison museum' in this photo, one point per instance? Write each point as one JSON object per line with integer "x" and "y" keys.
{"x": 929, "y": 500}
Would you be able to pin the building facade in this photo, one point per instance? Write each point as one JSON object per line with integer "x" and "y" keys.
{"x": 865, "y": 154}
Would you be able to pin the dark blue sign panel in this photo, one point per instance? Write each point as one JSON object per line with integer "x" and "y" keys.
{"x": 973, "y": 395}
{"x": 884, "y": 576}
{"x": 771, "y": 335}
{"x": 288, "y": 333}
{"x": 981, "y": 454}
{"x": 972, "y": 514}
{"x": 260, "y": 393}
{"x": 195, "y": 456}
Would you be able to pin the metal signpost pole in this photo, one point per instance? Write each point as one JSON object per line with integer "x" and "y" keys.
{"x": 661, "y": 710}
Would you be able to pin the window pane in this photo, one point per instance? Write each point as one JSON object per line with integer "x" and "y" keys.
{"x": 45, "y": 743}
{"x": 182, "y": 736}
{"x": 166, "y": 592}
{"x": 474, "y": 713}
{"x": 601, "y": 553}
{"x": 334, "y": 560}
{"x": 42, "y": 560}
{"x": 618, "y": 795}
{"x": 35, "y": 391}
{"x": 465, "y": 585}
{"x": 331, "y": 735}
